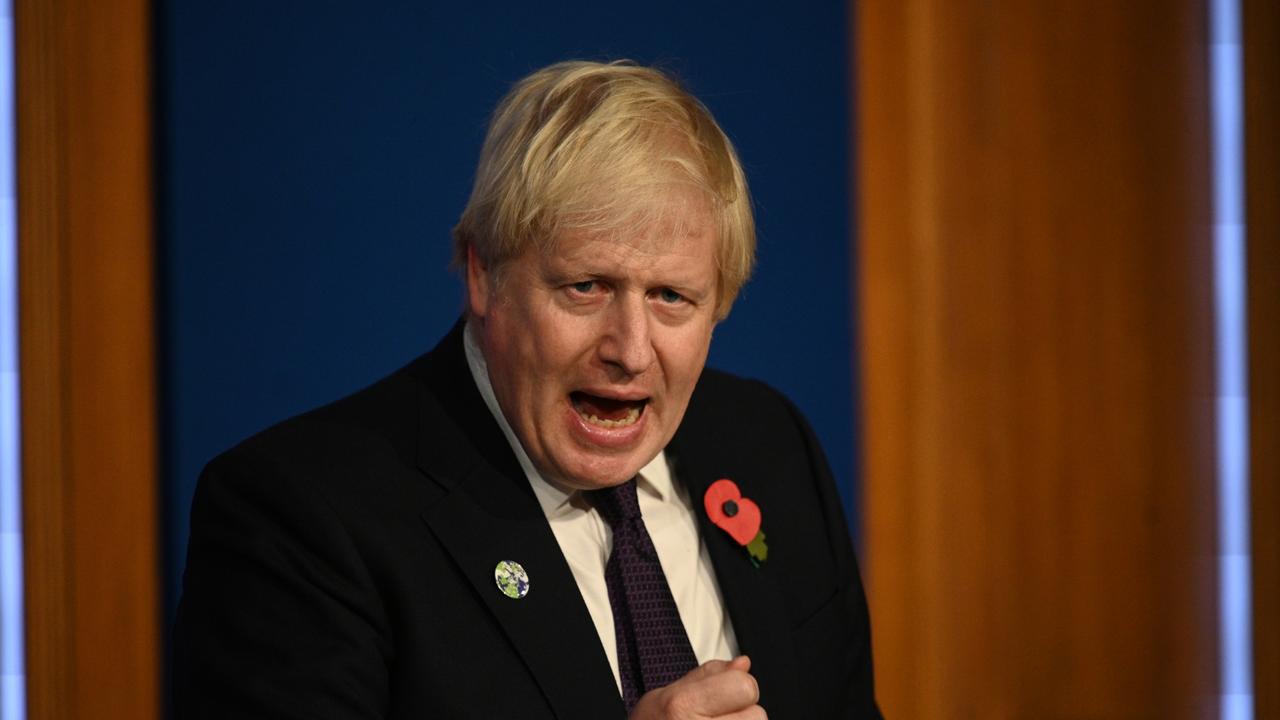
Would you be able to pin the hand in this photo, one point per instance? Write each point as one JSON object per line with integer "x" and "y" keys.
{"x": 717, "y": 689}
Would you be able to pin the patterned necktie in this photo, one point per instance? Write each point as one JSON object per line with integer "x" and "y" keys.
{"x": 653, "y": 649}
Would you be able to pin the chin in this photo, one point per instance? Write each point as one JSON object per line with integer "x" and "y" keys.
{"x": 593, "y": 474}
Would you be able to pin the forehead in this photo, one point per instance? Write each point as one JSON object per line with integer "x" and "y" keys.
{"x": 675, "y": 223}
{"x": 650, "y": 243}
{"x": 686, "y": 250}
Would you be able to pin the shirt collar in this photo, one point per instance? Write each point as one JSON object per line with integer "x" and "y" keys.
{"x": 555, "y": 499}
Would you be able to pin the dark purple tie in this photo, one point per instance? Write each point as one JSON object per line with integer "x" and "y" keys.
{"x": 653, "y": 649}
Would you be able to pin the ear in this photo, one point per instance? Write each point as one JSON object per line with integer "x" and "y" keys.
{"x": 479, "y": 283}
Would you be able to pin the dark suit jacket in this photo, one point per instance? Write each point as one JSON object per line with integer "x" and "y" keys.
{"x": 341, "y": 564}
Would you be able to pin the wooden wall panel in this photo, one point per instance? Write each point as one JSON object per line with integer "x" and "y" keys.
{"x": 88, "y": 398}
{"x": 1037, "y": 349}
{"x": 1261, "y": 26}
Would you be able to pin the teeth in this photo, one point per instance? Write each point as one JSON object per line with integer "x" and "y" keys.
{"x": 632, "y": 415}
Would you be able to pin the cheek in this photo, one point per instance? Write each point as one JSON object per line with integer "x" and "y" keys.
{"x": 513, "y": 352}
{"x": 685, "y": 357}
{"x": 558, "y": 354}
{"x": 531, "y": 350}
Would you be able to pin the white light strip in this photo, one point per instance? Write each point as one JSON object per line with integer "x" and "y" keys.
{"x": 13, "y": 690}
{"x": 1231, "y": 341}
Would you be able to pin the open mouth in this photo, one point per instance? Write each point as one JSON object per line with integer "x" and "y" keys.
{"x": 607, "y": 412}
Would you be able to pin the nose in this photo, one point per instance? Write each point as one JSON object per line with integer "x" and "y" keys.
{"x": 626, "y": 342}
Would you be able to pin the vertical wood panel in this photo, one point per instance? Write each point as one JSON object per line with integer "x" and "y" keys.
{"x": 1261, "y": 26}
{"x": 41, "y": 194}
{"x": 1038, "y": 382}
{"x": 88, "y": 399}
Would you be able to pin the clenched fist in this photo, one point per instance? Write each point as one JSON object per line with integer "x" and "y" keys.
{"x": 717, "y": 689}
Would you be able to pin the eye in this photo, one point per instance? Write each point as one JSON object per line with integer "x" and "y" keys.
{"x": 584, "y": 287}
{"x": 669, "y": 296}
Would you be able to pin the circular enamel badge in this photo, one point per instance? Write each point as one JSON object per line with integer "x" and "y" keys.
{"x": 511, "y": 578}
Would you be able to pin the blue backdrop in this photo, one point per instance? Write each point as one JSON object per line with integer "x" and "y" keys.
{"x": 314, "y": 155}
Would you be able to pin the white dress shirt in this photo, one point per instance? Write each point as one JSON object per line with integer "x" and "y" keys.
{"x": 586, "y": 540}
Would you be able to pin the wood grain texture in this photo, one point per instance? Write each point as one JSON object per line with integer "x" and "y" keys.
{"x": 1261, "y": 26}
{"x": 88, "y": 397}
{"x": 42, "y": 312}
{"x": 1035, "y": 268}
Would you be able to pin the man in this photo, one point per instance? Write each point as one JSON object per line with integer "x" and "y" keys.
{"x": 556, "y": 512}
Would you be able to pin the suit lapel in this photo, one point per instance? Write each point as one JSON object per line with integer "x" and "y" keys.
{"x": 550, "y": 618}
{"x": 489, "y": 514}
{"x": 750, "y": 595}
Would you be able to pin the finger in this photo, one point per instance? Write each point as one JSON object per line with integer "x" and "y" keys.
{"x": 713, "y": 667}
{"x": 755, "y": 712}
{"x": 725, "y": 692}
{"x": 710, "y": 668}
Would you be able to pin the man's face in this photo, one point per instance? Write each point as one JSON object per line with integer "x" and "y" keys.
{"x": 594, "y": 347}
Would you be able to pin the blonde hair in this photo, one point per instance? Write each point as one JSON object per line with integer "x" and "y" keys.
{"x": 604, "y": 148}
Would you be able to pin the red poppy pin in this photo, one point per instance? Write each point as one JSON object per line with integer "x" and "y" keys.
{"x": 738, "y": 516}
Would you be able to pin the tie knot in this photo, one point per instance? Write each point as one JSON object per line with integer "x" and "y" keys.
{"x": 616, "y": 504}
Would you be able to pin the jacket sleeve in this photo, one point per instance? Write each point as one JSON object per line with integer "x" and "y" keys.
{"x": 859, "y": 702}
{"x": 279, "y": 616}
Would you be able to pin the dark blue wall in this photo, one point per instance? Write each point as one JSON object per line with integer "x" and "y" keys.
{"x": 314, "y": 155}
